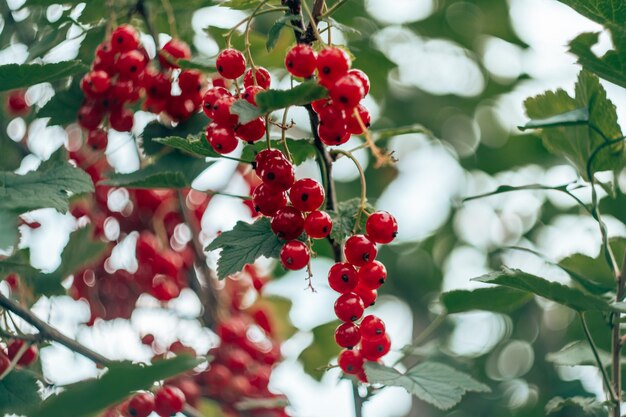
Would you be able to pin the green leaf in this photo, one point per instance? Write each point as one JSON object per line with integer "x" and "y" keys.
{"x": 244, "y": 244}
{"x": 302, "y": 94}
{"x": 578, "y": 353}
{"x": 63, "y": 107}
{"x": 435, "y": 383}
{"x": 14, "y": 76}
{"x": 321, "y": 350}
{"x": 245, "y": 110}
{"x": 11, "y": 153}
{"x": 192, "y": 126}
{"x": 571, "y": 297}
{"x": 8, "y": 229}
{"x": 195, "y": 145}
{"x": 586, "y": 406}
{"x": 344, "y": 218}
{"x": 120, "y": 380}
{"x": 574, "y": 117}
{"x": 241, "y": 4}
{"x": 496, "y": 299}
{"x": 18, "y": 263}
{"x": 578, "y": 142}
{"x": 51, "y": 186}
{"x": 300, "y": 149}
{"x": 274, "y": 33}
{"x": 611, "y": 66}
{"x": 170, "y": 171}
{"x": 198, "y": 63}
{"x": 19, "y": 392}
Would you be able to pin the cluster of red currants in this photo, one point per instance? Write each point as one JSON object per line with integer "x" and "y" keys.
{"x": 289, "y": 221}
{"x": 357, "y": 280}
{"x": 224, "y": 130}
{"x": 167, "y": 401}
{"x": 27, "y": 354}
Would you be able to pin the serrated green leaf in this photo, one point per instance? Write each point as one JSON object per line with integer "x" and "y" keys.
{"x": 245, "y": 110}
{"x": 344, "y": 218}
{"x": 121, "y": 379}
{"x": 571, "y": 297}
{"x": 574, "y": 117}
{"x": 62, "y": 109}
{"x": 195, "y": 125}
{"x": 196, "y": 145}
{"x": 244, "y": 244}
{"x": 300, "y": 149}
{"x": 8, "y": 229}
{"x": 611, "y": 66}
{"x": 321, "y": 350}
{"x": 435, "y": 383}
{"x": 14, "y": 76}
{"x": 578, "y": 353}
{"x": 308, "y": 91}
{"x": 19, "y": 392}
{"x": 586, "y": 406}
{"x": 198, "y": 63}
{"x": 51, "y": 186}
{"x": 495, "y": 299}
{"x": 274, "y": 33}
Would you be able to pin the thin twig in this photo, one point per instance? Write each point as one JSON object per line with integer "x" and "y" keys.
{"x": 596, "y": 355}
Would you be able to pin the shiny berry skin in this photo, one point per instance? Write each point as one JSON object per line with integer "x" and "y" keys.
{"x": 221, "y": 111}
{"x": 332, "y": 137}
{"x": 223, "y": 139}
{"x": 141, "y": 404}
{"x": 28, "y": 357}
{"x": 156, "y": 84}
{"x": 278, "y": 173}
{"x": 374, "y": 349}
{"x": 359, "y": 250}
{"x": 124, "y": 38}
{"x": 306, "y": 194}
{"x": 294, "y": 255}
{"x": 169, "y": 400}
{"x": 318, "y": 224}
{"x": 368, "y": 295}
{"x": 381, "y": 227}
{"x": 349, "y": 307}
{"x": 90, "y": 115}
{"x": 16, "y": 103}
{"x": 99, "y": 81}
{"x": 347, "y": 335}
{"x": 342, "y": 277}
{"x": 268, "y": 200}
{"x": 231, "y": 64}
{"x": 353, "y": 126}
{"x": 97, "y": 139}
{"x": 252, "y": 131}
{"x": 332, "y": 64}
{"x": 260, "y": 160}
{"x": 347, "y": 92}
{"x": 332, "y": 117}
{"x": 288, "y": 223}
{"x": 319, "y": 105}
{"x": 164, "y": 288}
{"x": 301, "y": 61}
{"x": 176, "y": 50}
{"x": 372, "y": 275}
{"x": 210, "y": 98}
{"x": 363, "y": 78}
{"x": 372, "y": 328}
{"x": 249, "y": 94}
{"x": 351, "y": 361}
{"x": 190, "y": 81}
{"x": 121, "y": 119}
{"x": 131, "y": 64}
{"x": 263, "y": 78}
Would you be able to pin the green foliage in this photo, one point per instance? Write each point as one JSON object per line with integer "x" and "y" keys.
{"x": 274, "y": 33}
{"x": 195, "y": 145}
{"x": 300, "y": 149}
{"x": 583, "y": 406}
{"x": 244, "y": 244}
{"x": 432, "y": 382}
{"x": 308, "y": 91}
{"x": 19, "y": 392}
{"x": 11, "y": 153}
{"x": 242, "y": 4}
{"x": 120, "y": 380}
{"x": 245, "y": 110}
{"x": 577, "y": 353}
{"x": 495, "y": 299}
{"x": 321, "y": 350}
{"x": 192, "y": 126}
{"x": 63, "y": 106}
{"x": 14, "y": 76}
{"x": 345, "y": 217}
{"x": 8, "y": 229}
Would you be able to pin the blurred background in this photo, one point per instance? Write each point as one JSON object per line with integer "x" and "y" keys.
{"x": 462, "y": 69}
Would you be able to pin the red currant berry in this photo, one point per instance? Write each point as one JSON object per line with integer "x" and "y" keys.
{"x": 156, "y": 84}
{"x": 278, "y": 173}
{"x": 354, "y": 127}
{"x": 260, "y": 161}
{"x": 222, "y": 139}
{"x": 16, "y": 103}
{"x": 251, "y": 131}
{"x": 190, "y": 81}
{"x": 374, "y": 349}
{"x": 168, "y": 401}
{"x": 249, "y": 94}
{"x": 28, "y": 356}
{"x": 294, "y": 255}
{"x": 347, "y": 335}
{"x": 99, "y": 82}
{"x": 164, "y": 288}
{"x": 332, "y": 117}
{"x": 342, "y": 277}
{"x": 231, "y": 64}
{"x": 368, "y": 295}
{"x": 332, "y": 137}
{"x": 301, "y": 61}
{"x": 97, "y": 139}
{"x": 172, "y": 51}
{"x": 218, "y": 375}
{"x": 124, "y": 38}
{"x": 351, "y": 361}
{"x": 321, "y": 104}
{"x": 361, "y": 76}
{"x": 221, "y": 111}
{"x": 237, "y": 360}
{"x": 359, "y": 250}
{"x": 306, "y": 194}
{"x": 372, "y": 328}
{"x": 122, "y": 92}
{"x": 381, "y": 227}
{"x": 268, "y": 200}
{"x": 148, "y": 339}
{"x": 231, "y": 330}
{"x": 372, "y": 275}
{"x": 210, "y": 98}
{"x": 121, "y": 119}
{"x": 131, "y": 64}
{"x": 347, "y": 92}
{"x": 332, "y": 64}
{"x": 318, "y": 224}
{"x": 90, "y": 115}
{"x": 349, "y": 307}
{"x": 141, "y": 405}
{"x": 263, "y": 78}
{"x": 287, "y": 223}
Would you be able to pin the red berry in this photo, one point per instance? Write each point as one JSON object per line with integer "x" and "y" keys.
{"x": 332, "y": 64}
{"x": 131, "y": 64}
{"x": 172, "y": 51}
{"x": 319, "y": 105}
{"x": 216, "y": 376}
{"x": 359, "y": 250}
{"x": 249, "y": 94}
{"x": 221, "y": 111}
{"x": 251, "y": 131}
{"x": 318, "y": 224}
{"x": 354, "y": 127}
{"x": 164, "y": 288}
{"x": 190, "y": 81}
{"x": 351, "y": 361}
{"x": 381, "y": 227}
{"x": 342, "y": 277}
{"x": 99, "y": 81}
{"x": 237, "y": 360}
{"x": 361, "y": 76}
{"x": 306, "y": 194}
{"x": 372, "y": 328}
{"x": 148, "y": 339}
{"x": 90, "y": 115}
{"x": 332, "y": 117}
{"x": 262, "y": 76}
{"x": 16, "y": 103}
{"x": 28, "y": 356}
{"x": 231, "y": 64}
{"x": 231, "y": 330}
{"x": 268, "y": 200}
{"x": 347, "y": 92}
{"x": 294, "y": 255}
{"x": 222, "y": 139}
{"x": 124, "y": 38}
{"x": 121, "y": 119}
{"x": 349, "y": 307}
{"x": 265, "y": 155}
{"x": 156, "y": 84}
{"x": 301, "y": 61}
{"x": 332, "y": 137}
{"x": 374, "y": 349}
{"x": 210, "y": 98}
{"x": 278, "y": 173}
{"x": 141, "y": 405}
{"x": 372, "y": 275}
{"x": 347, "y": 335}
{"x": 368, "y": 295}
{"x": 97, "y": 139}
{"x": 122, "y": 92}
{"x": 288, "y": 223}
{"x": 169, "y": 400}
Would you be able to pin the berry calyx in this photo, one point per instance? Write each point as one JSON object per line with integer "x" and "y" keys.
{"x": 381, "y": 227}
{"x": 372, "y": 275}
{"x": 359, "y": 250}
{"x": 301, "y": 61}
{"x": 294, "y": 255}
{"x": 287, "y": 223}
{"x": 169, "y": 400}
{"x": 342, "y": 277}
{"x": 231, "y": 64}
{"x": 306, "y": 194}
{"x": 318, "y": 224}
{"x": 351, "y": 361}
{"x": 372, "y": 327}
{"x": 349, "y": 307}
{"x": 347, "y": 335}
{"x": 141, "y": 405}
